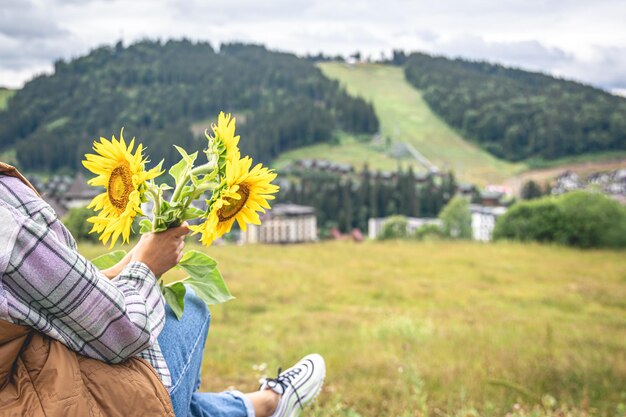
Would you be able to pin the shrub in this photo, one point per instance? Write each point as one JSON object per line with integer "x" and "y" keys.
{"x": 394, "y": 228}
{"x": 457, "y": 219}
{"x": 539, "y": 220}
{"x": 582, "y": 219}
{"x": 592, "y": 220}
{"x": 429, "y": 232}
{"x": 76, "y": 222}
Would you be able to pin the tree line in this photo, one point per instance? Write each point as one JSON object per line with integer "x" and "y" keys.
{"x": 158, "y": 90}
{"x": 348, "y": 201}
{"x": 517, "y": 114}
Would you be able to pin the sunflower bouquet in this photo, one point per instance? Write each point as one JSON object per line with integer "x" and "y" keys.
{"x": 230, "y": 187}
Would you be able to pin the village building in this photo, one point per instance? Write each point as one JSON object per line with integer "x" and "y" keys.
{"x": 484, "y": 220}
{"x": 567, "y": 181}
{"x": 284, "y": 223}
{"x": 375, "y": 225}
{"x": 611, "y": 183}
{"x": 467, "y": 190}
{"x": 79, "y": 194}
{"x": 323, "y": 165}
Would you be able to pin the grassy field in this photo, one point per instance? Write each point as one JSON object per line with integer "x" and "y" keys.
{"x": 350, "y": 150}
{"x": 405, "y": 116}
{"x": 416, "y": 329}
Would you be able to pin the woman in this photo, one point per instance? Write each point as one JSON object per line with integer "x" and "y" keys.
{"x": 76, "y": 341}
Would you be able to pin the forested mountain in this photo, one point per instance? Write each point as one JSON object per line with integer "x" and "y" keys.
{"x": 157, "y": 91}
{"x": 516, "y": 114}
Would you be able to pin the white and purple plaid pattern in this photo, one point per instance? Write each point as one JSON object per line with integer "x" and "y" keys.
{"x": 47, "y": 285}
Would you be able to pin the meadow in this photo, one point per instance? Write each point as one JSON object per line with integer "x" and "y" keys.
{"x": 427, "y": 328}
{"x": 352, "y": 150}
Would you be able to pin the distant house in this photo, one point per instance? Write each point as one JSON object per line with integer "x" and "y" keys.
{"x": 284, "y": 223}
{"x": 567, "y": 181}
{"x": 375, "y": 225}
{"x": 491, "y": 198}
{"x": 323, "y": 165}
{"x": 611, "y": 183}
{"x": 484, "y": 221}
{"x": 79, "y": 194}
{"x": 466, "y": 190}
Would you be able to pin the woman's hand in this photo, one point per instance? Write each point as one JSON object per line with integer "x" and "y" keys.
{"x": 161, "y": 251}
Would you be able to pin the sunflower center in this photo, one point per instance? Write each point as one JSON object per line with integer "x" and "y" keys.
{"x": 234, "y": 206}
{"x": 120, "y": 186}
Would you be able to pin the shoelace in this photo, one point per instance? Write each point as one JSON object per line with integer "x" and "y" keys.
{"x": 285, "y": 381}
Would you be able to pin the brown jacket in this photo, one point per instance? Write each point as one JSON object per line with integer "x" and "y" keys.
{"x": 41, "y": 377}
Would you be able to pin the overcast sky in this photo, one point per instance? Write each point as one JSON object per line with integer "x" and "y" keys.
{"x": 579, "y": 39}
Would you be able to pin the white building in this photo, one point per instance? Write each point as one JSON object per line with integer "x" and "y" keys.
{"x": 284, "y": 223}
{"x": 375, "y": 226}
{"x": 484, "y": 221}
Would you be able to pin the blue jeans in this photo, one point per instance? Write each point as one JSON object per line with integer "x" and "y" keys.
{"x": 182, "y": 343}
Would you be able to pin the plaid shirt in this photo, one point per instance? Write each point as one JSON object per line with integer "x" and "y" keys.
{"x": 47, "y": 285}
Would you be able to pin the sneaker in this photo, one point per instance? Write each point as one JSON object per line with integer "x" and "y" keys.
{"x": 298, "y": 385}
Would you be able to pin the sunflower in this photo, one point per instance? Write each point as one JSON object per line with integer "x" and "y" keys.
{"x": 225, "y": 134}
{"x": 123, "y": 176}
{"x": 243, "y": 193}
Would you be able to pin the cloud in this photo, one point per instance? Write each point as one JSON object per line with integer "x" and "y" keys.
{"x": 571, "y": 38}
{"x": 22, "y": 19}
{"x": 606, "y": 67}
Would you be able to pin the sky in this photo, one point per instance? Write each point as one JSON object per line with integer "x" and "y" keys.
{"x": 583, "y": 40}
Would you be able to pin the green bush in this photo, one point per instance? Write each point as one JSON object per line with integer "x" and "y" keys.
{"x": 76, "y": 222}
{"x": 592, "y": 220}
{"x": 429, "y": 232}
{"x": 457, "y": 219}
{"x": 582, "y": 219}
{"x": 394, "y": 228}
{"x": 538, "y": 220}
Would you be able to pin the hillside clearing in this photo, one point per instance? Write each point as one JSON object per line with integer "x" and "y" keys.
{"x": 350, "y": 150}
{"x": 405, "y": 116}
{"x": 409, "y": 328}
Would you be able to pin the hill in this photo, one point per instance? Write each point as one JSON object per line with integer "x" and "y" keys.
{"x": 518, "y": 115}
{"x": 405, "y": 117}
{"x": 5, "y": 94}
{"x": 167, "y": 92}
{"x": 437, "y": 328}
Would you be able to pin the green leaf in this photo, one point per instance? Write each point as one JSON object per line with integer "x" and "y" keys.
{"x": 188, "y": 158}
{"x": 174, "y": 295}
{"x": 179, "y": 170}
{"x": 108, "y": 259}
{"x": 192, "y": 213}
{"x": 186, "y": 192}
{"x": 145, "y": 226}
{"x": 204, "y": 277}
{"x": 211, "y": 288}
{"x": 196, "y": 263}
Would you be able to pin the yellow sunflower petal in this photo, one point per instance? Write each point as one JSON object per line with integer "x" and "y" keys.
{"x": 121, "y": 172}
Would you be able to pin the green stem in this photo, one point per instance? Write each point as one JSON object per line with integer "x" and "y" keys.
{"x": 204, "y": 169}
{"x": 199, "y": 170}
{"x": 156, "y": 208}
